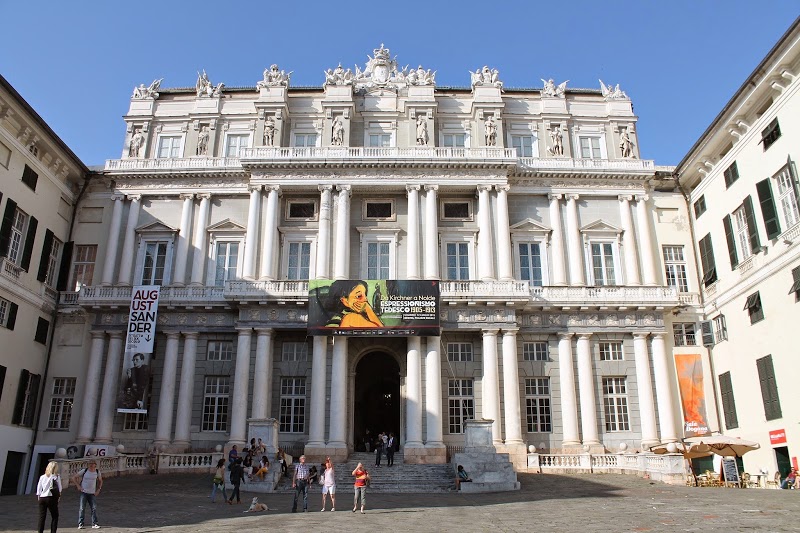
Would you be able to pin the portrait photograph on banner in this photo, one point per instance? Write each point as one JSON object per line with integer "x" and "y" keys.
{"x": 693, "y": 398}
{"x": 139, "y": 346}
{"x": 134, "y": 383}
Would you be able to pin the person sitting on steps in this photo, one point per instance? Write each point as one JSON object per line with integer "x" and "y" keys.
{"x": 462, "y": 477}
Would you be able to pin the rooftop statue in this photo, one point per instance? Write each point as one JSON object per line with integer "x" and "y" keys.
{"x": 141, "y": 92}
{"x": 486, "y": 77}
{"x": 380, "y": 72}
{"x": 204, "y": 86}
{"x": 338, "y": 76}
{"x": 273, "y": 77}
{"x": 612, "y": 93}
{"x": 552, "y": 90}
{"x": 420, "y": 76}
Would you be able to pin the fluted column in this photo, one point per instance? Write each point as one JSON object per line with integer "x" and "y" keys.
{"x": 261, "y": 373}
{"x": 323, "y": 270}
{"x": 167, "y": 397}
{"x": 431, "y": 268}
{"x": 629, "y": 242}
{"x": 269, "y": 250}
{"x": 577, "y": 275}
{"x": 569, "y": 404}
{"x": 110, "y": 262}
{"x": 91, "y": 388}
{"x": 316, "y": 416}
{"x": 108, "y": 398}
{"x": 485, "y": 247}
{"x": 186, "y": 389}
{"x": 414, "y": 393}
{"x": 338, "y": 411}
{"x": 199, "y": 256}
{"x": 433, "y": 394}
{"x": 513, "y": 417}
{"x": 505, "y": 260}
{"x": 129, "y": 241}
{"x": 586, "y": 388}
{"x": 645, "y": 241}
{"x": 251, "y": 237}
{"x": 182, "y": 246}
{"x": 341, "y": 269}
{"x": 412, "y": 240}
{"x": 241, "y": 386}
{"x": 557, "y": 241}
{"x": 664, "y": 390}
{"x": 647, "y": 409}
{"x": 491, "y": 384}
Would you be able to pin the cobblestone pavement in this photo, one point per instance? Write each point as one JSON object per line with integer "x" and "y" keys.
{"x": 557, "y": 503}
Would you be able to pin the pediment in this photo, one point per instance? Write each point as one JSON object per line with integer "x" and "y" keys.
{"x": 227, "y": 225}
{"x": 156, "y": 227}
{"x": 599, "y": 226}
{"x": 530, "y": 226}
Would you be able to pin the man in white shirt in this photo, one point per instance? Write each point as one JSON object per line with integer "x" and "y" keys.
{"x": 89, "y": 481}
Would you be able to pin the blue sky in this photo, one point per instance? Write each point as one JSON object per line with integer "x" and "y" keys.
{"x": 680, "y": 61}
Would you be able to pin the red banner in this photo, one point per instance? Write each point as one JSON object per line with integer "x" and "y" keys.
{"x": 777, "y": 437}
{"x": 693, "y": 398}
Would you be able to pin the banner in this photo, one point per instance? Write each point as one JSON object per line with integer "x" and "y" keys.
{"x": 693, "y": 398}
{"x": 373, "y": 307}
{"x": 138, "y": 349}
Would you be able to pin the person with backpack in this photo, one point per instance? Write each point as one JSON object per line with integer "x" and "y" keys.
{"x": 48, "y": 492}
{"x": 88, "y": 481}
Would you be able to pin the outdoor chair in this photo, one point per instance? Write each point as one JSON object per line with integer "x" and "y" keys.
{"x": 775, "y": 481}
{"x": 748, "y": 482}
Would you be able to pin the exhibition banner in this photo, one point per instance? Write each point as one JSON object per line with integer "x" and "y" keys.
{"x": 138, "y": 349}
{"x": 693, "y": 398}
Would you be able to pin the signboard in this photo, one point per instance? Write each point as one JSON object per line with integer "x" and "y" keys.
{"x": 777, "y": 436}
{"x": 731, "y": 471}
{"x": 693, "y": 397}
{"x": 138, "y": 348}
{"x": 97, "y": 451}
{"x": 373, "y": 307}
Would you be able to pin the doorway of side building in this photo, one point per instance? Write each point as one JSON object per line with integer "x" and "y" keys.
{"x": 376, "y": 399}
{"x": 783, "y": 461}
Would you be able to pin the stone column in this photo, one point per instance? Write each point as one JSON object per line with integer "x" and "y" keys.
{"x": 433, "y": 394}
{"x": 414, "y": 393}
{"x": 629, "y": 242}
{"x": 110, "y": 262}
{"x": 167, "y": 396}
{"x": 664, "y": 391}
{"x": 108, "y": 398}
{"x": 200, "y": 257}
{"x": 511, "y": 399}
{"x": 577, "y": 275}
{"x": 412, "y": 240}
{"x": 647, "y": 410}
{"x": 269, "y": 250}
{"x": 338, "y": 408}
{"x": 646, "y": 242}
{"x": 557, "y": 241}
{"x": 262, "y": 373}
{"x": 586, "y": 387}
{"x": 505, "y": 260}
{"x": 184, "y": 415}
{"x": 431, "y": 267}
{"x": 316, "y": 416}
{"x": 569, "y": 404}
{"x": 182, "y": 246}
{"x": 251, "y": 237}
{"x": 485, "y": 247}
{"x": 341, "y": 269}
{"x": 323, "y": 270}
{"x": 129, "y": 241}
{"x": 491, "y": 384}
{"x": 241, "y": 386}
{"x": 91, "y": 387}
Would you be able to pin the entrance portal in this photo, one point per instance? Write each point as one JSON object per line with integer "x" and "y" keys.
{"x": 377, "y": 399}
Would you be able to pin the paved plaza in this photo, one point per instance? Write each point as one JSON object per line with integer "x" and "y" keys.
{"x": 558, "y": 503}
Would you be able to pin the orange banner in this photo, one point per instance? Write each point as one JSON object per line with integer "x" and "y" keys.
{"x": 693, "y": 398}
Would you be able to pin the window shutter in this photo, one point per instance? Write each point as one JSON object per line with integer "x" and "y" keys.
{"x": 63, "y": 270}
{"x": 27, "y": 252}
{"x": 731, "y": 244}
{"x": 708, "y": 333}
{"x": 42, "y": 329}
{"x": 707, "y": 260}
{"x": 793, "y": 173}
{"x": 33, "y": 398}
{"x": 30, "y": 177}
{"x": 755, "y": 243}
{"x": 768, "y": 212}
{"x": 728, "y": 402}
{"x": 2, "y": 380}
{"x": 5, "y": 228}
{"x": 12, "y": 315}
{"x": 769, "y": 388}
{"x": 45, "y": 258}
{"x": 19, "y": 405}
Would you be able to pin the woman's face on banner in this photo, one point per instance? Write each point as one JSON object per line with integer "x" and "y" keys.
{"x": 357, "y": 299}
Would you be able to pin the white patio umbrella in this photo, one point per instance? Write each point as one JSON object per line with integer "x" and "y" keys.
{"x": 689, "y": 451}
{"x": 724, "y": 445}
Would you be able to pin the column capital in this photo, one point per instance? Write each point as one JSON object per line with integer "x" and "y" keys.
{"x": 625, "y": 197}
{"x": 97, "y": 333}
{"x": 186, "y": 196}
{"x": 254, "y": 188}
{"x": 116, "y": 334}
{"x": 641, "y": 335}
{"x": 265, "y": 331}
{"x": 115, "y": 197}
{"x": 344, "y": 190}
{"x": 134, "y": 197}
{"x": 171, "y": 334}
{"x": 429, "y": 188}
{"x": 204, "y": 196}
{"x": 244, "y": 330}
{"x": 658, "y": 335}
{"x": 554, "y": 196}
{"x": 584, "y": 336}
{"x": 323, "y": 188}
{"x": 503, "y": 188}
{"x": 510, "y": 331}
{"x": 410, "y": 188}
{"x": 490, "y": 332}
{"x": 566, "y": 335}
{"x": 642, "y": 197}
{"x": 271, "y": 188}
{"x": 191, "y": 334}
{"x": 484, "y": 188}
{"x": 572, "y": 196}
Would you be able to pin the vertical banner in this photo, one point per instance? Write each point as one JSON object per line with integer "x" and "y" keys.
{"x": 693, "y": 399}
{"x": 138, "y": 349}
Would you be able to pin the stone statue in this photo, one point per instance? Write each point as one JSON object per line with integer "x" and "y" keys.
{"x": 337, "y": 134}
{"x": 274, "y": 77}
{"x": 422, "y": 131}
{"x": 612, "y": 93}
{"x": 269, "y": 131}
{"x": 137, "y": 142}
{"x": 141, "y": 92}
{"x": 338, "y": 76}
{"x": 204, "y": 87}
{"x": 487, "y": 77}
{"x": 490, "y": 131}
{"x": 557, "y": 139}
{"x": 552, "y": 90}
{"x": 202, "y": 141}
{"x": 420, "y": 76}
{"x": 625, "y": 144}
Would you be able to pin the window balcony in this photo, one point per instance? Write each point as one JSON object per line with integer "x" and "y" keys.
{"x": 267, "y": 291}
{"x": 170, "y": 297}
{"x": 605, "y": 297}
{"x": 560, "y": 164}
{"x": 9, "y": 269}
{"x": 194, "y": 165}
{"x": 68, "y": 298}
{"x": 474, "y": 291}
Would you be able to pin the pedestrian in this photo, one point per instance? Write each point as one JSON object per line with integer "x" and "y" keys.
{"x": 232, "y": 455}
{"x": 328, "y": 481}
{"x": 237, "y": 476}
{"x": 48, "y": 493}
{"x": 219, "y": 481}
{"x": 378, "y": 450}
{"x": 300, "y": 483}
{"x": 263, "y": 467}
{"x": 88, "y": 481}
{"x": 247, "y": 464}
{"x": 390, "y": 450}
{"x": 360, "y": 486}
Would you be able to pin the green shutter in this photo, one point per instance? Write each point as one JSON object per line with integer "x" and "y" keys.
{"x": 44, "y": 260}
{"x": 30, "y": 237}
{"x": 19, "y": 405}
{"x": 793, "y": 173}
{"x": 728, "y": 402}
{"x": 729, "y": 239}
{"x": 771, "y": 222}
{"x": 707, "y": 260}
{"x": 5, "y": 228}
{"x": 752, "y": 229}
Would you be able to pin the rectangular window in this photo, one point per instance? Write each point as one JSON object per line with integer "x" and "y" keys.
{"x": 771, "y": 133}
{"x": 301, "y": 210}
{"x": 720, "y": 329}
{"x": 378, "y": 260}
{"x": 535, "y": 351}
{"x": 380, "y": 140}
{"x": 42, "y": 329}
{"x": 728, "y": 403}
{"x": 293, "y": 405}
{"x": 615, "y": 404}
{"x": 17, "y": 241}
{"x": 5, "y": 155}
{"x": 741, "y": 233}
{"x": 294, "y": 351}
{"x": 523, "y": 145}
{"x": 299, "y": 257}
{"x": 603, "y": 263}
{"x": 305, "y": 139}
{"x": 380, "y": 210}
{"x": 460, "y": 403}
{"x": 530, "y": 262}
{"x": 457, "y": 260}
{"x": 456, "y": 211}
{"x": 169, "y": 147}
{"x": 216, "y": 398}
{"x": 61, "y": 403}
{"x": 731, "y": 174}
{"x": 5, "y": 312}
{"x": 753, "y": 307}
{"x": 220, "y": 351}
{"x": 611, "y": 351}
{"x": 537, "y": 405}
{"x": 227, "y": 263}
{"x": 30, "y": 177}
{"x": 684, "y": 333}
{"x": 675, "y": 268}
{"x": 454, "y": 140}
{"x": 769, "y": 388}
{"x": 795, "y": 288}
{"x": 707, "y": 261}
{"x": 27, "y": 393}
{"x": 235, "y": 144}
{"x": 155, "y": 257}
{"x": 590, "y": 147}
{"x": 459, "y": 351}
{"x": 700, "y": 206}
{"x": 83, "y": 269}
{"x": 787, "y": 197}
{"x": 135, "y": 422}
{"x": 53, "y": 263}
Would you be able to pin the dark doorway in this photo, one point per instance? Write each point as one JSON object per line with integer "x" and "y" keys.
{"x": 782, "y": 458}
{"x": 42, "y": 462}
{"x": 377, "y": 398}
{"x": 14, "y": 462}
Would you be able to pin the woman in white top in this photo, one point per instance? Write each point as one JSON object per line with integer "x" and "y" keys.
{"x": 328, "y": 481}
{"x": 48, "y": 491}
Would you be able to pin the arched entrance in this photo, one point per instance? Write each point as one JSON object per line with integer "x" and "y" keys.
{"x": 377, "y": 398}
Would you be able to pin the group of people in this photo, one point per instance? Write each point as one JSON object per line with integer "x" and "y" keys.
{"x": 304, "y": 476}
{"x": 385, "y": 444}
{"x": 87, "y": 480}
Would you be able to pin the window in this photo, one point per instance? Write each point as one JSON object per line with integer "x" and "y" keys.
{"x": 460, "y": 402}
{"x": 30, "y": 177}
{"x": 457, "y": 260}
{"x": 460, "y": 210}
{"x": 5, "y": 155}
{"x": 15, "y": 247}
{"x": 771, "y": 133}
{"x": 8, "y": 313}
{"x": 794, "y": 289}
{"x": 590, "y": 147}
{"x": 155, "y": 257}
{"x": 294, "y": 351}
{"x": 728, "y": 403}
{"x": 378, "y": 210}
{"x": 530, "y": 262}
{"x": 215, "y": 403}
{"x": 615, "y": 403}
{"x": 753, "y": 307}
{"x": 731, "y": 174}
{"x": 523, "y": 144}
{"x": 787, "y": 198}
{"x": 603, "y": 259}
{"x": 742, "y": 235}
{"x": 135, "y": 422}
{"x": 378, "y": 260}
{"x": 61, "y": 403}
{"x": 27, "y": 393}
{"x": 53, "y": 260}
{"x": 454, "y": 140}
{"x": 299, "y": 256}
{"x": 83, "y": 271}
{"x": 234, "y": 144}
{"x": 611, "y": 351}
{"x": 380, "y": 140}
{"x": 700, "y": 206}
{"x": 227, "y": 262}
{"x": 684, "y": 333}
{"x": 459, "y": 351}
{"x": 305, "y": 139}
{"x": 42, "y": 328}
{"x": 720, "y": 329}
{"x": 169, "y": 147}
{"x": 675, "y": 268}
{"x": 707, "y": 261}
{"x": 537, "y": 405}
{"x": 769, "y": 388}
{"x": 535, "y": 351}
{"x": 220, "y": 351}
{"x": 301, "y": 210}
{"x": 293, "y": 405}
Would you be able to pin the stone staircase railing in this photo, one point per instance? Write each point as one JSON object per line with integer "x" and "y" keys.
{"x": 668, "y": 468}
{"x": 131, "y": 464}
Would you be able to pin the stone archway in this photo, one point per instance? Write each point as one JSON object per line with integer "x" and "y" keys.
{"x": 377, "y": 401}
